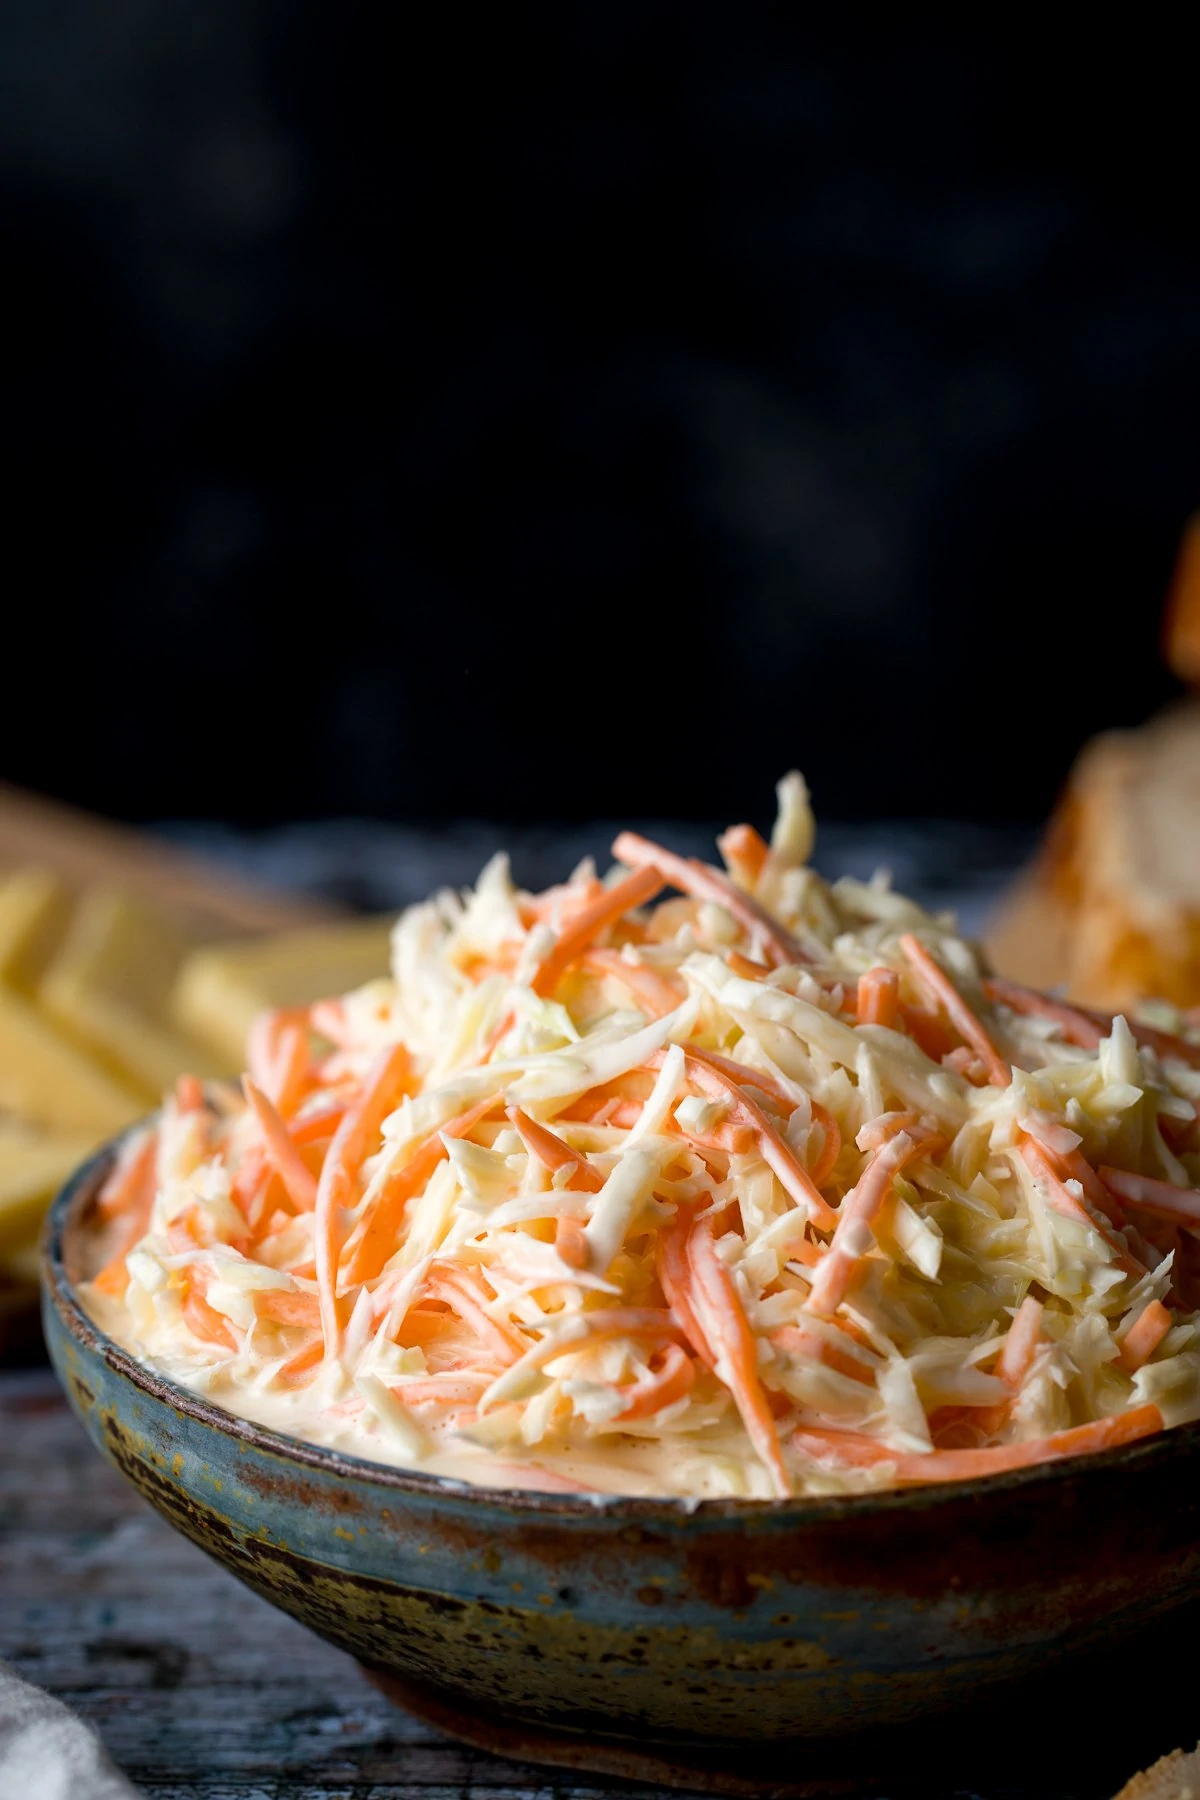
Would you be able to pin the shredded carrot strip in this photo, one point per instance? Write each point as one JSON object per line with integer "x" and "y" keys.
{"x": 674, "y": 1277}
{"x": 810, "y": 1345}
{"x": 879, "y": 998}
{"x": 375, "y": 1239}
{"x": 261, "y": 1042}
{"x": 1013, "y": 1364}
{"x": 745, "y": 854}
{"x": 288, "y": 1163}
{"x": 705, "y": 883}
{"x": 745, "y": 1076}
{"x": 128, "y": 1195}
{"x": 673, "y": 1379}
{"x": 291, "y": 1069}
{"x": 1159, "y": 1198}
{"x": 564, "y": 902}
{"x": 570, "y": 1240}
{"x": 206, "y": 1323}
{"x": 1071, "y": 1207}
{"x": 1075, "y": 1026}
{"x": 303, "y": 1365}
{"x": 858, "y": 1213}
{"x": 745, "y": 966}
{"x": 968, "y": 1026}
{"x": 553, "y": 1153}
{"x": 715, "y": 1304}
{"x": 352, "y": 1142}
{"x": 462, "y": 1290}
{"x": 317, "y": 1125}
{"x": 1073, "y": 1165}
{"x": 928, "y": 1030}
{"x": 439, "y": 1390}
{"x": 1144, "y": 1336}
{"x": 779, "y": 1156}
{"x": 286, "y": 1307}
{"x": 654, "y": 992}
{"x": 601, "y": 1326}
{"x": 852, "y": 1450}
{"x": 1020, "y": 1346}
{"x": 189, "y": 1094}
{"x": 1085, "y": 1026}
{"x": 125, "y": 1188}
{"x": 633, "y": 890}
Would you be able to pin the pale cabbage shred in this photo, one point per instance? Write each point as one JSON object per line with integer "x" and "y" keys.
{"x": 966, "y": 1234}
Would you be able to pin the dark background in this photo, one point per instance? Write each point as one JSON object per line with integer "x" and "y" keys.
{"x": 587, "y": 409}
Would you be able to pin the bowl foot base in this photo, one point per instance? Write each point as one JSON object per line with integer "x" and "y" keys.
{"x": 703, "y": 1768}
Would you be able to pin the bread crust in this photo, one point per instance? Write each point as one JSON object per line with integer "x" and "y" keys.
{"x": 1111, "y": 908}
{"x": 1173, "y": 1777}
{"x": 1181, "y": 620}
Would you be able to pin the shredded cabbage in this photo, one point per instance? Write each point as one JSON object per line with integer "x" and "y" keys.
{"x": 763, "y": 1189}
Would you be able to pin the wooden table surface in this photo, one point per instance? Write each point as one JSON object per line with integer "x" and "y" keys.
{"x": 202, "y": 1691}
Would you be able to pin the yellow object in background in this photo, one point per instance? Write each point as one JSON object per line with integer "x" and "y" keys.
{"x": 97, "y": 924}
{"x": 34, "y": 910}
{"x": 222, "y": 987}
{"x": 33, "y": 1166}
{"x": 109, "y": 986}
{"x": 46, "y": 1079}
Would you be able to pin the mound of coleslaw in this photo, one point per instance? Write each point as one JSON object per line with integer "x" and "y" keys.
{"x": 689, "y": 1181}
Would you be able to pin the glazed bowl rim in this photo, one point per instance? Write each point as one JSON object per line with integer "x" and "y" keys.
{"x": 59, "y": 1291}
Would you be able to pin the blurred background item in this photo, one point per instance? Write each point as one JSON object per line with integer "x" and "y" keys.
{"x": 418, "y": 423}
{"x": 1111, "y": 908}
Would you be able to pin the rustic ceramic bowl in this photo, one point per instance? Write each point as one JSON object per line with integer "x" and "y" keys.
{"x": 712, "y": 1646}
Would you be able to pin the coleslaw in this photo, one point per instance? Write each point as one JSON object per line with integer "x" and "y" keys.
{"x": 691, "y": 1181}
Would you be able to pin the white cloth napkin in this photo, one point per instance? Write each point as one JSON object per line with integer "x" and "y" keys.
{"x": 46, "y": 1753}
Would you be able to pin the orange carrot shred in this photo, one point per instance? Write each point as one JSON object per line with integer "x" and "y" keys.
{"x": 858, "y": 1212}
{"x": 1162, "y": 1199}
{"x": 1070, "y": 1206}
{"x": 779, "y": 1156}
{"x": 289, "y": 1165}
{"x": 853, "y": 1450}
{"x": 1075, "y": 1026}
{"x": 632, "y": 890}
{"x": 206, "y": 1323}
{"x": 744, "y": 853}
{"x": 553, "y": 1153}
{"x": 126, "y": 1186}
{"x": 879, "y": 997}
{"x": 706, "y": 883}
{"x": 654, "y": 992}
{"x": 189, "y": 1094}
{"x": 970, "y": 1028}
{"x": 570, "y": 1240}
{"x": 375, "y": 1238}
{"x": 1144, "y": 1336}
{"x": 303, "y": 1365}
{"x": 715, "y": 1304}
{"x": 352, "y": 1142}
{"x": 285, "y": 1306}
{"x": 673, "y": 1379}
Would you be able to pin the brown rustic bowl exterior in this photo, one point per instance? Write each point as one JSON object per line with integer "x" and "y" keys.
{"x": 644, "y": 1636}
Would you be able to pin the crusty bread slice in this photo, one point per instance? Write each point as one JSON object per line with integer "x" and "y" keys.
{"x": 1173, "y": 1777}
{"x": 1112, "y": 906}
{"x": 1181, "y": 621}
